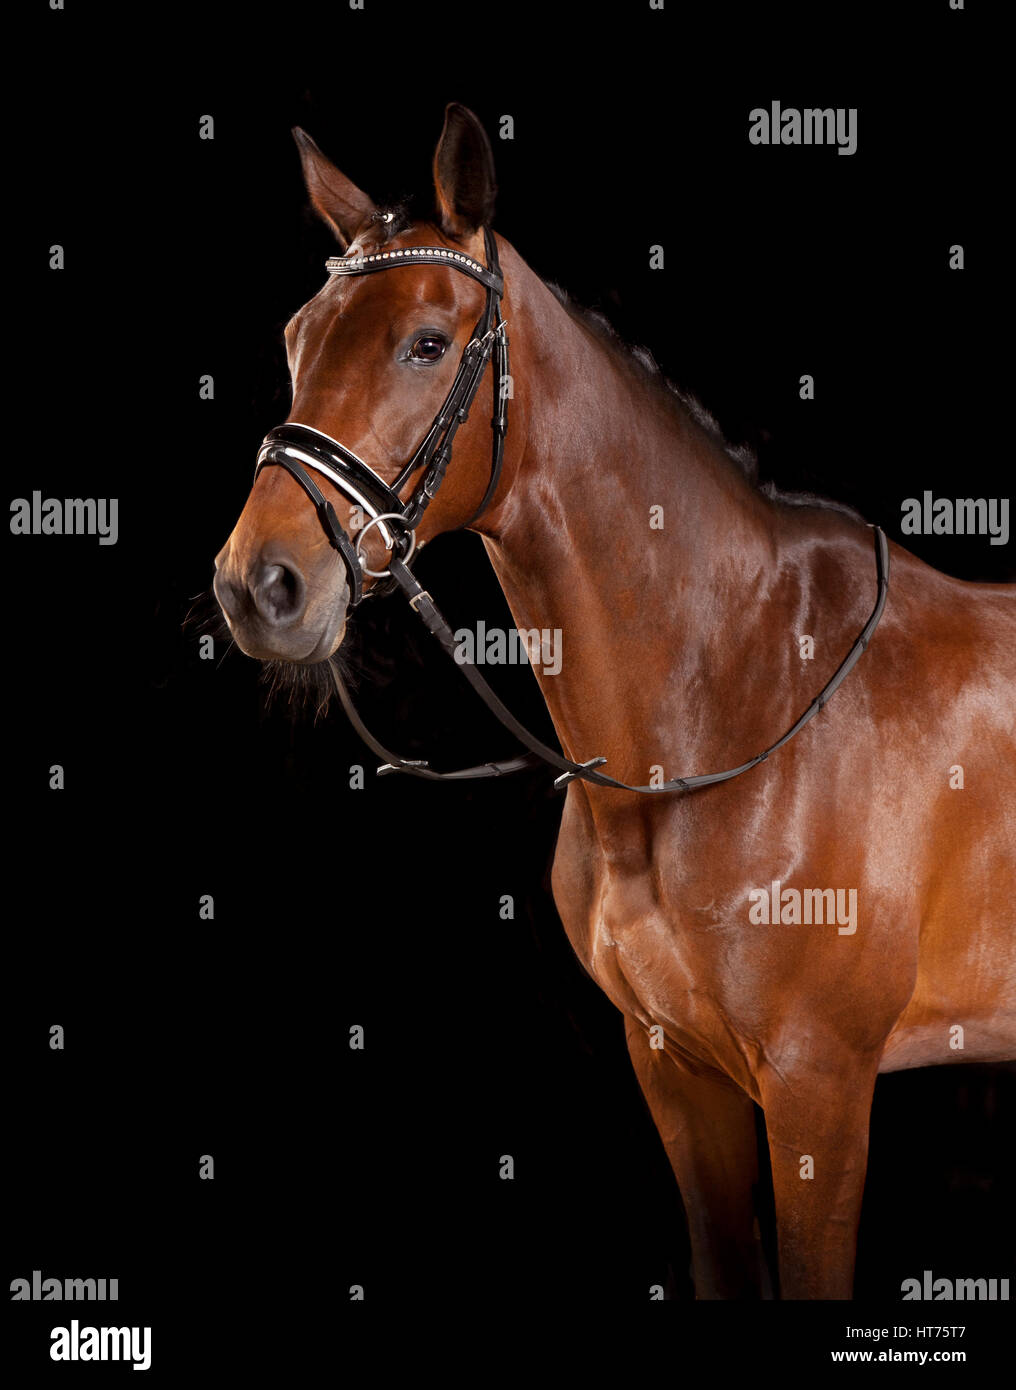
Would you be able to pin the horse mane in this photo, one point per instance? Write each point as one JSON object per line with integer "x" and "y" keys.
{"x": 642, "y": 359}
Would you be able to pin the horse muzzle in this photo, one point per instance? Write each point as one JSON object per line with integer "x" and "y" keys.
{"x": 272, "y": 611}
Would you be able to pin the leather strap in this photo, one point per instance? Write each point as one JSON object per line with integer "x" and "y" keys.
{"x": 502, "y": 378}
{"x": 422, "y": 603}
{"x": 329, "y": 521}
{"x": 325, "y": 454}
{"x": 419, "y": 255}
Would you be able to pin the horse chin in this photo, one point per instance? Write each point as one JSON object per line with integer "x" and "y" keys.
{"x": 328, "y": 643}
{"x": 319, "y": 653}
{"x": 328, "y": 649}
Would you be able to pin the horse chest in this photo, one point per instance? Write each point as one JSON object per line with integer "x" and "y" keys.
{"x": 634, "y": 949}
{"x": 633, "y": 969}
{"x": 646, "y": 949}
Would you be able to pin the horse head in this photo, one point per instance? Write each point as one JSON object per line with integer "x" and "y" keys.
{"x": 389, "y": 365}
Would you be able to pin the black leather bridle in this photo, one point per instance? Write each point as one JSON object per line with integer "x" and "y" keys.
{"x": 298, "y": 448}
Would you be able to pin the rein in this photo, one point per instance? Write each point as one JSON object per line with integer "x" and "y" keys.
{"x": 297, "y": 448}
{"x": 426, "y": 609}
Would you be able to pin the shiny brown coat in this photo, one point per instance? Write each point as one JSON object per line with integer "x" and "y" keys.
{"x": 681, "y": 650}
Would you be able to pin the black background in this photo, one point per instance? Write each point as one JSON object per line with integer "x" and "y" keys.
{"x": 380, "y": 907}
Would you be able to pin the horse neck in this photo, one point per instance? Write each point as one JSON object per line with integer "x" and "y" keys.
{"x": 597, "y": 444}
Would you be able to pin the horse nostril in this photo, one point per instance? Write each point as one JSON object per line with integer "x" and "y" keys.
{"x": 279, "y": 593}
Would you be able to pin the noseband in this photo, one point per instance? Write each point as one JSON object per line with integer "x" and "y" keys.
{"x": 297, "y": 448}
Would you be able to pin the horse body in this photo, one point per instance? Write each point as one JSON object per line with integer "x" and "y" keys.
{"x": 681, "y": 651}
{"x": 654, "y": 894}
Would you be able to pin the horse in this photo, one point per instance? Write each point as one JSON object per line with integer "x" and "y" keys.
{"x": 715, "y": 915}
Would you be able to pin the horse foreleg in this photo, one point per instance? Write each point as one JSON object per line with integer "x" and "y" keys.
{"x": 817, "y": 1122}
{"x": 707, "y": 1125}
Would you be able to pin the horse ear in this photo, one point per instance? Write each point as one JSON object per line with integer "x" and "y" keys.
{"x": 464, "y": 173}
{"x": 342, "y": 205}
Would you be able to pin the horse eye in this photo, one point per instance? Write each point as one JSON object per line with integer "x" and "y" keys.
{"x": 429, "y": 348}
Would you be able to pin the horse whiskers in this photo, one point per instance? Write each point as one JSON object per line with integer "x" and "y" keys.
{"x": 205, "y": 616}
{"x": 302, "y": 686}
{"x": 229, "y": 647}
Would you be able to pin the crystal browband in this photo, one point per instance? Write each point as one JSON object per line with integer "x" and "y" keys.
{"x": 415, "y": 255}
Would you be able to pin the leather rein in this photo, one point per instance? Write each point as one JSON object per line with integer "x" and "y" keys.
{"x": 298, "y": 448}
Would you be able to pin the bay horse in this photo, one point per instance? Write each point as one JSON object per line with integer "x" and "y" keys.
{"x": 681, "y": 640}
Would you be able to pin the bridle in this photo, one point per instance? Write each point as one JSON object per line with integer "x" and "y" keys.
{"x": 298, "y": 448}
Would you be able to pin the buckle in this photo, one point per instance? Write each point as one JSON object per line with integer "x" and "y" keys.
{"x": 566, "y": 777}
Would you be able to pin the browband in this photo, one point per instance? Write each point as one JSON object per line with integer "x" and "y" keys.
{"x": 416, "y": 255}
